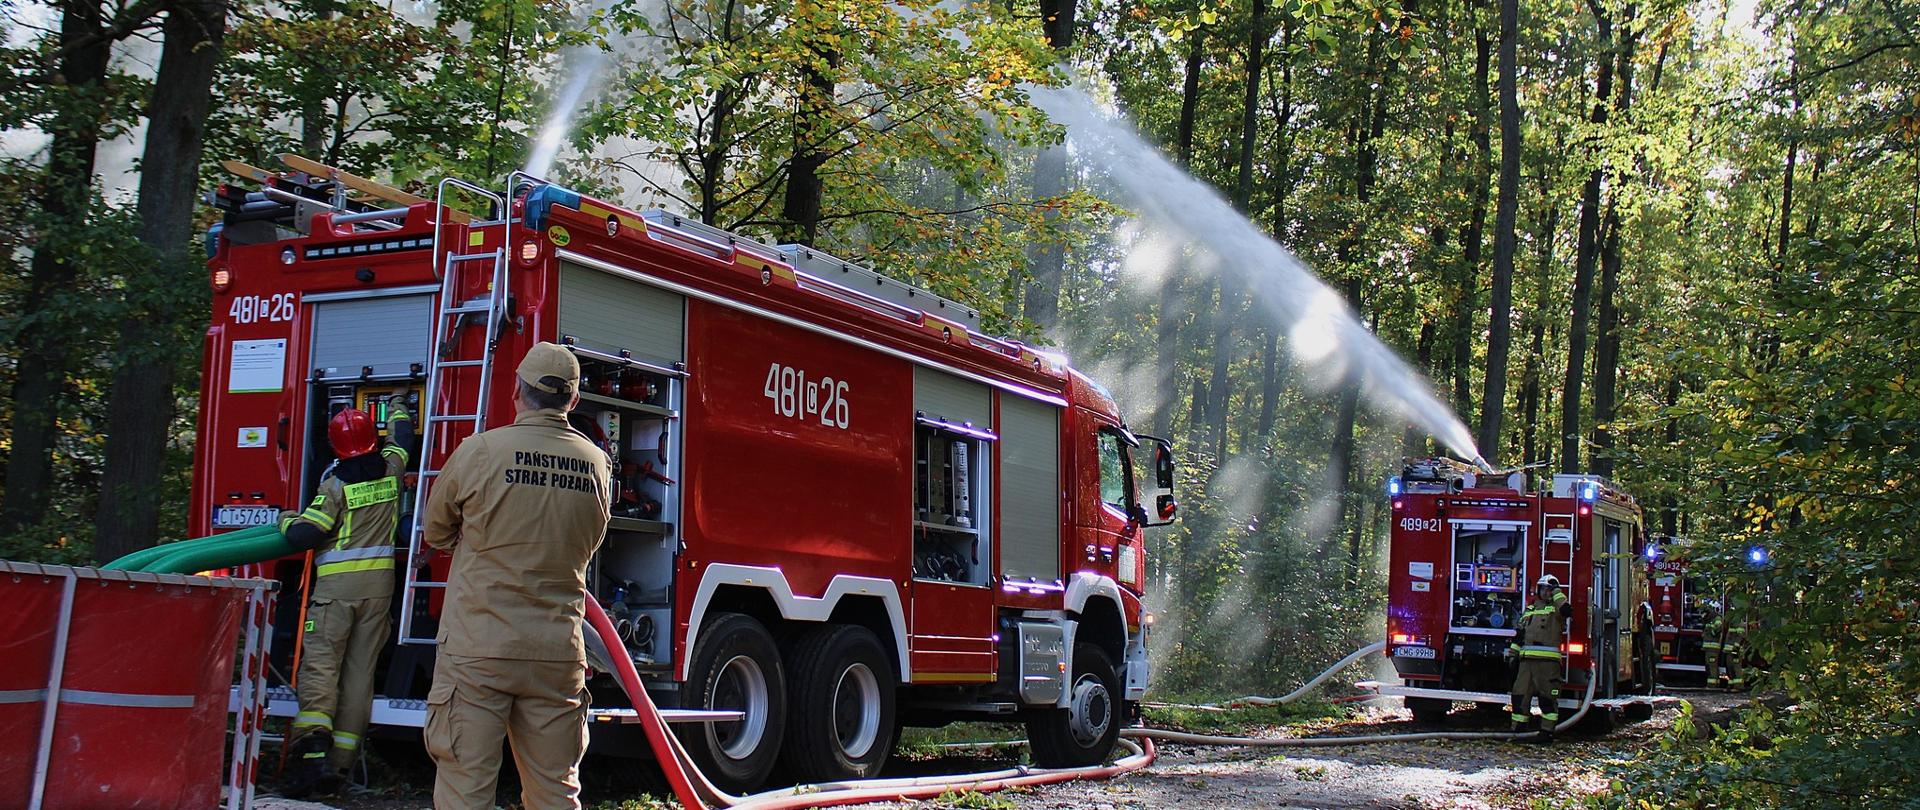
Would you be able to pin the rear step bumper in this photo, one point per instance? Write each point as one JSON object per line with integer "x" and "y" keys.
{"x": 413, "y": 713}
{"x": 1401, "y": 690}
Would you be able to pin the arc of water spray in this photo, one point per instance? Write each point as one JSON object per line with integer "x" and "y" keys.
{"x": 1322, "y": 331}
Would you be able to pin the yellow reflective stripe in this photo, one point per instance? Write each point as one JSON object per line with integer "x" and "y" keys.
{"x": 313, "y": 719}
{"x": 1519, "y": 718}
{"x": 1551, "y": 718}
{"x": 368, "y": 493}
{"x": 395, "y": 450}
{"x": 318, "y": 518}
{"x": 346, "y": 740}
{"x": 350, "y": 566}
{"x": 1533, "y": 651}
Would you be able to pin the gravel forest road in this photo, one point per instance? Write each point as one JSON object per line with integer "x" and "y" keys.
{"x": 1438, "y": 774}
{"x": 1435, "y": 774}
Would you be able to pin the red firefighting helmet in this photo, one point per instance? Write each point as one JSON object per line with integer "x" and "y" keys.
{"x": 351, "y": 433}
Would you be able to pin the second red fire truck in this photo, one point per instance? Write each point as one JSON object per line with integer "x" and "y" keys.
{"x": 839, "y": 506}
{"x": 1467, "y": 547}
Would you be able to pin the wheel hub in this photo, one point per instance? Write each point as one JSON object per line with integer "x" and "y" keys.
{"x": 856, "y": 710}
{"x": 741, "y": 686}
{"x": 1090, "y": 712}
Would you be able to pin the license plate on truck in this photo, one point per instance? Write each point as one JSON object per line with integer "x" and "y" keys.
{"x": 243, "y": 517}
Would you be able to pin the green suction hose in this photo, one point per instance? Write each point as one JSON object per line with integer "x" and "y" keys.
{"x": 252, "y": 548}
{"x": 137, "y": 560}
{"x": 206, "y": 553}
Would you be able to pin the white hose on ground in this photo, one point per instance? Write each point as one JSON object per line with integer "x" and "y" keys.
{"x": 1257, "y": 700}
{"x": 1188, "y": 738}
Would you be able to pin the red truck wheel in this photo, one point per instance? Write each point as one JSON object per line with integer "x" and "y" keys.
{"x": 841, "y": 723}
{"x": 1085, "y": 731}
{"x": 736, "y": 667}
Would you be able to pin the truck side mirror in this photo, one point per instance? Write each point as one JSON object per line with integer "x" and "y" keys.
{"x": 1164, "y": 506}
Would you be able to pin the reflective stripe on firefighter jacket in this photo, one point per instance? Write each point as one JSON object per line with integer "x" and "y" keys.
{"x": 358, "y": 562}
{"x": 1541, "y": 630}
{"x": 522, "y": 507}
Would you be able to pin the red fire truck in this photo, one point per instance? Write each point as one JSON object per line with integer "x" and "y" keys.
{"x": 1466, "y": 548}
{"x": 1680, "y": 605}
{"x": 839, "y": 506}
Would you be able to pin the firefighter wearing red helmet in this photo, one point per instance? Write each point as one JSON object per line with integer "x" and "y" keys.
{"x": 522, "y": 507}
{"x": 350, "y": 525}
{"x": 1537, "y": 649}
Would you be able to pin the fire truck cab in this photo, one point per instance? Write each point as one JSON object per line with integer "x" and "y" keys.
{"x": 1466, "y": 548}
{"x": 839, "y": 507}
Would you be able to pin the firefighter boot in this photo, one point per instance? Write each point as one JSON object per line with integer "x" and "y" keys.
{"x": 307, "y": 772}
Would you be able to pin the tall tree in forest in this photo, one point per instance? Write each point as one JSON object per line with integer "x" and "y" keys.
{"x": 1587, "y": 251}
{"x": 1500, "y": 323}
{"x": 1046, "y": 256}
{"x": 143, "y": 400}
{"x": 1172, "y": 298}
{"x": 1223, "y": 317}
{"x": 814, "y": 113}
{"x": 1606, "y": 359}
{"x": 1467, "y": 290}
{"x": 81, "y": 102}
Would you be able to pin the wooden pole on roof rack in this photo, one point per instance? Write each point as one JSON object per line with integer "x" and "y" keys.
{"x": 363, "y": 185}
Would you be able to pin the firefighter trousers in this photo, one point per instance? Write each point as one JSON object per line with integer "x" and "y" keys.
{"x": 339, "y": 649}
{"x": 1723, "y": 663}
{"x": 538, "y": 706}
{"x": 1538, "y": 678}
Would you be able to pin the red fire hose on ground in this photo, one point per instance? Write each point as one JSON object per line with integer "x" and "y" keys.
{"x": 696, "y": 793}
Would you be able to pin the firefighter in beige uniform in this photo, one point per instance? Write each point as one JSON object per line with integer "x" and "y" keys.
{"x": 351, "y": 524}
{"x": 522, "y": 507}
{"x": 1537, "y": 647}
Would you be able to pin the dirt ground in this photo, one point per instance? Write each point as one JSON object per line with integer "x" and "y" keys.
{"x": 1440, "y": 774}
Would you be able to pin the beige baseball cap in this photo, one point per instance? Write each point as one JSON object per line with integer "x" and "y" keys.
{"x": 550, "y": 360}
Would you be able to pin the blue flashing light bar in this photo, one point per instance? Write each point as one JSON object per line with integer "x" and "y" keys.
{"x": 1393, "y": 487}
{"x": 1757, "y": 555}
{"x": 543, "y": 198}
{"x": 1590, "y": 492}
{"x": 1653, "y": 552}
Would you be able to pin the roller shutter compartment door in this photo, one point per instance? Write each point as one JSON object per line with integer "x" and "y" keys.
{"x": 389, "y": 334}
{"x": 611, "y": 314}
{"x": 1029, "y": 490}
{"x": 944, "y": 396}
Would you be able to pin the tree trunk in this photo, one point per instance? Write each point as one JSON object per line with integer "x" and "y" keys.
{"x": 1172, "y": 301}
{"x": 1413, "y": 442}
{"x": 1282, "y": 189}
{"x": 66, "y": 196}
{"x": 1046, "y": 257}
{"x": 1670, "y": 511}
{"x": 1532, "y": 394}
{"x": 805, "y": 191}
{"x": 142, "y": 406}
{"x": 1467, "y": 301}
{"x": 1500, "y": 325}
{"x": 1606, "y": 360}
{"x": 1242, "y": 196}
{"x": 1587, "y": 253}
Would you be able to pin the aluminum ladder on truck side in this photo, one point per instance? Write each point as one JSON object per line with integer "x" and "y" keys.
{"x": 447, "y": 415}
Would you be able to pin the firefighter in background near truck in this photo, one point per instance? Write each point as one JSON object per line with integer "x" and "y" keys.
{"x": 1723, "y": 644}
{"x": 1537, "y": 647}
{"x": 522, "y": 508}
{"x": 351, "y": 524}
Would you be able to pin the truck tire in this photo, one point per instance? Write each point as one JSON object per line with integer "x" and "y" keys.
{"x": 841, "y": 710}
{"x": 736, "y": 666}
{"x": 1084, "y": 732}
